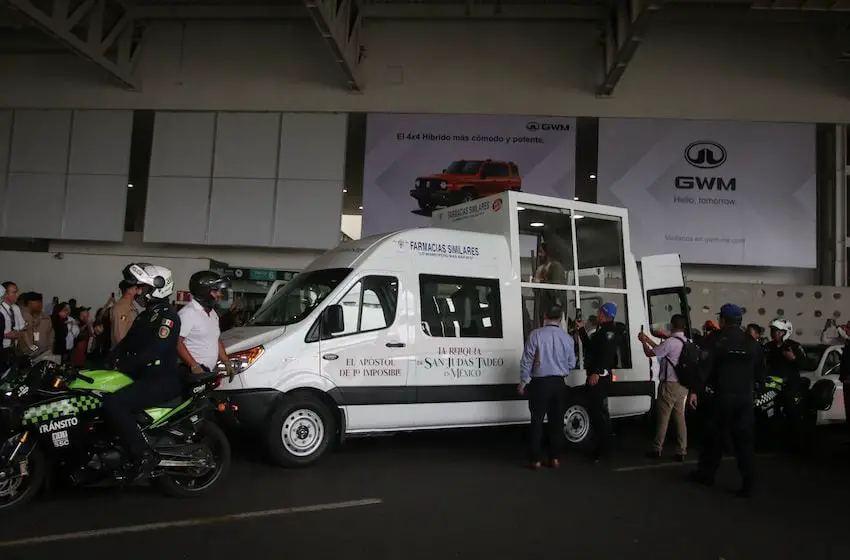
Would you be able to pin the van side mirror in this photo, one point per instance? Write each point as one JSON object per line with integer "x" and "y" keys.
{"x": 332, "y": 320}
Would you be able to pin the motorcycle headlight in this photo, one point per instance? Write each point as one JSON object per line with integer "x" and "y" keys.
{"x": 244, "y": 359}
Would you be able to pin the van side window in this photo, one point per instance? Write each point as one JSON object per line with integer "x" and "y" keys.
{"x": 369, "y": 305}
{"x": 496, "y": 170}
{"x": 456, "y": 307}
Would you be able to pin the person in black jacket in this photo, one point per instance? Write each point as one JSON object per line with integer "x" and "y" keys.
{"x": 148, "y": 354}
{"x": 600, "y": 351}
{"x": 732, "y": 366}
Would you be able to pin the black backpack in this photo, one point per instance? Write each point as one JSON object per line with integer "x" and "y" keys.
{"x": 687, "y": 369}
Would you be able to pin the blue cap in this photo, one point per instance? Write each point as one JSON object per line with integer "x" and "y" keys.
{"x": 731, "y": 311}
{"x": 610, "y": 309}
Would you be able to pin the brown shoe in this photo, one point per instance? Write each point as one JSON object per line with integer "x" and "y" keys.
{"x": 535, "y": 465}
{"x": 555, "y": 463}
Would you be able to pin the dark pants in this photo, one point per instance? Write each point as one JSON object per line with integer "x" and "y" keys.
{"x": 153, "y": 388}
{"x": 600, "y": 419}
{"x": 546, "y": 399}
{"x": 731, "y": 418}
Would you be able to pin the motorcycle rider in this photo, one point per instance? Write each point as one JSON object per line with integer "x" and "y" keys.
{"x": 785, "y": 358}
{"x": 200, "y": 345}
{"x": 148, "y": 354}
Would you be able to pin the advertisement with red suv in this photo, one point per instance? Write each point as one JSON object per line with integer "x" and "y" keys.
{"x": 466, "y": 180}
{"x": 416, "y": 164}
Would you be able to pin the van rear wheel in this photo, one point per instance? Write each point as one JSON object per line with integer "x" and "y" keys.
{"x": 300, "y": 431}
{"x": 578, "y": 429}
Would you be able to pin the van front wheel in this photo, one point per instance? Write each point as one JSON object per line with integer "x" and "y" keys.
{"x": 300, "y": 431}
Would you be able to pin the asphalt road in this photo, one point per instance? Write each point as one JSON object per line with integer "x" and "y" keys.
{"x": 457, "y": 495}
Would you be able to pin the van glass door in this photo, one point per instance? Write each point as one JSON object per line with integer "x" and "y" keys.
{"x": 370, "y": 357}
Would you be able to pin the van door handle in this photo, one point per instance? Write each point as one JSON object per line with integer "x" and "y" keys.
{"x": 330, "y": 357}
{"x": 395, "y": 344}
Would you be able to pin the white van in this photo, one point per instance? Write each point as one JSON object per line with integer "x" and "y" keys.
{"x": 424, "y": 328}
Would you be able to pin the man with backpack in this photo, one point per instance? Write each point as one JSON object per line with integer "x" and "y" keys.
{"x": 677, "y": 359}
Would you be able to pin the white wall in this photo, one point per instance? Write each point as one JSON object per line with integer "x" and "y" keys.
{"x": 133, "y": 248}
{"x": 709, "y": 69}
{"x": 748, "y": 274}
{"x": 88, "y": 278}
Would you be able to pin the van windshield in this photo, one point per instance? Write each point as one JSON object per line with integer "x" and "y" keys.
{"x": 297, "y": 299}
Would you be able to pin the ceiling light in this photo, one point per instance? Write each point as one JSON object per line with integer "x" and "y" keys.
{"x": 129, "y": 185}
{"x": 536, "y": 224}
{"x": 577, "y": 217}
{"x": 344, "y": 190}
{"x": 360, "y": 207}
{"x": 520, "y": 208}
{"x": 592, "y": 176}
{"x": 575, "y": 198}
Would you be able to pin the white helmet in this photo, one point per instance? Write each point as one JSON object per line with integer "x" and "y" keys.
{"x": 783, "y": 325}
{"x": 156, "y": 282}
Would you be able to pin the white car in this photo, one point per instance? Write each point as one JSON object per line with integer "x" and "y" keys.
{"x": 828, "y": 360}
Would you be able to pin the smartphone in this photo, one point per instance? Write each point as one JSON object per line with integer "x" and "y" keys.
{"x": 113, "y": 295}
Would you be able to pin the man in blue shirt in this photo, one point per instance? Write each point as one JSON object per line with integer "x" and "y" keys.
{"x": 548, "y": 358}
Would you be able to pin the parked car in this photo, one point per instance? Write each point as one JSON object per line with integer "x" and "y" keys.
{"x": 464, "y": 181}
{"x": 828, "y": 361}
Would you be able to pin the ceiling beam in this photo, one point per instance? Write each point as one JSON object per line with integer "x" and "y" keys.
{"x": 339, "y": 23}
{"x": 530, "y": 11}
{"x": 624, "y": 29}
{"x": 100, "y": 31}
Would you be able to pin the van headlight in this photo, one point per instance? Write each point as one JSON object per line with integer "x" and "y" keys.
{"x": 244, "y": 359}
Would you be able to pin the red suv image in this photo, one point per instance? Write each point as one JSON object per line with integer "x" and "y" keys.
{"x": 466, "y": 180}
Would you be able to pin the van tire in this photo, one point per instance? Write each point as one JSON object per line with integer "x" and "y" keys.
{"x": 300, "y": 431}
{"x": 578, "y": 428}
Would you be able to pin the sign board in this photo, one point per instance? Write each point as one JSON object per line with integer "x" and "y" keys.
{"x": 715, "y": 192}
{"x": 450, "y": 152}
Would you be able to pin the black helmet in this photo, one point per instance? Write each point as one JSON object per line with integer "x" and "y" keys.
{"x": 203, "y": 282}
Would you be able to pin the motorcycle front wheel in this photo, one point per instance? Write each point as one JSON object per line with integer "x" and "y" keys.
{"x": 199, "y": 480}
{"x": 19, "y": 489}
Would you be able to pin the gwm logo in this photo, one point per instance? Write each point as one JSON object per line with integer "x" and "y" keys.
{"x": 705, "y": 154}
{"x": 534, "y": 126}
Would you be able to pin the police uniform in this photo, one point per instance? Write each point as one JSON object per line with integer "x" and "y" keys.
{"x": 732, "y": 366}
{"x": 121, "y": 318}
{"x": 148, "y": 354}
{"x": 789, "y": 370}
{"x": 600, "y": 358}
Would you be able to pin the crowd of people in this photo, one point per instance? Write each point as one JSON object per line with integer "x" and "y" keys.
{"x": 718, "y": 371}
{"x": 65, "y": 332}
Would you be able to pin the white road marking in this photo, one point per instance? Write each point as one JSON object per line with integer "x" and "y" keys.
{"x": 187, "y": 523}
{"x": 668, "y": 464}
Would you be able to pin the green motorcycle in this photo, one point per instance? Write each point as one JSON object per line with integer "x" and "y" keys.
{"x": 50, "y": 419}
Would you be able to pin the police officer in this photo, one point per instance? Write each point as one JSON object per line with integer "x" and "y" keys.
{"x": 600, "y": 351}
{"x": 123, "y": 312}
{"x": 732, "y": 365}
{"x": 148, "y": 354}
{"x": 785, "y": 357}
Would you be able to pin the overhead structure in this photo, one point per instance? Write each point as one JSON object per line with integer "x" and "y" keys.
{"x": 625, "y": 27}
{"x": 101, "y": 31}
{"x": 339, "y": 22}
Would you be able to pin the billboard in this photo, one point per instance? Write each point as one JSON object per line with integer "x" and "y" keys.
{"x": 716, "y": 192}
{"x": 418, "y": 163}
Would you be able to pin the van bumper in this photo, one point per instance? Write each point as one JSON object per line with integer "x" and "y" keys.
{"x": 247, "y": 408}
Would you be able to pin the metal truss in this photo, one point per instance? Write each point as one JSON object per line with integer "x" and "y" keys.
{"x": 625, "y": 27}
{"x": 339, "y": 22}
{"x": 101, "y": 31}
